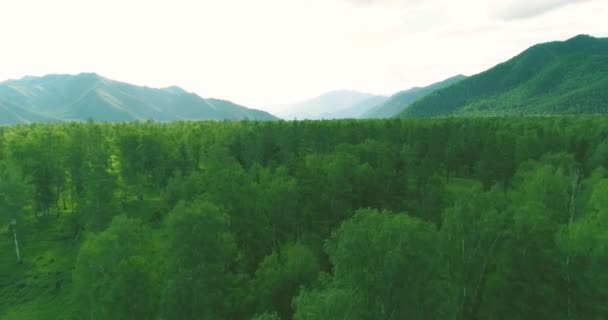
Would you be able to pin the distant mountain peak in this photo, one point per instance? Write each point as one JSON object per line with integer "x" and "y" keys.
{"x": 175, "y": 90}
{"x": 332, "y": 105}
{"x": 84, "y": 96}
{"x": 583, "y": 37}
{"x": 88, "y": 75}
{"x": 458, "y": 76}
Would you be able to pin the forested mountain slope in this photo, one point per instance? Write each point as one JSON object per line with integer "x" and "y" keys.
{"x": 401, "y": 100}
{"x": 569, "y": 77}
{"x": 458, "y": 219}
{"x": 90, "y": 96}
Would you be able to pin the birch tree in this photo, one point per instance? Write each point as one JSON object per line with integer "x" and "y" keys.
{"x": 15, "y": 194}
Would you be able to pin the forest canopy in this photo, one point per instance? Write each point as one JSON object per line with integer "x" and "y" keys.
{"x": 488, "y": 218}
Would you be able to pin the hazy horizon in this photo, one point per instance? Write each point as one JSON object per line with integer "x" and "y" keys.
{"x": 272, "y": 52}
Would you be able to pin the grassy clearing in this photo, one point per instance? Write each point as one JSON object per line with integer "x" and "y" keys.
{"x": 40, "y": 288}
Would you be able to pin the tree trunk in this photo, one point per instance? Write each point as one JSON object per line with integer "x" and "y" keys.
{"x": 17, "y": 245}
{"x": 575, "y": 178}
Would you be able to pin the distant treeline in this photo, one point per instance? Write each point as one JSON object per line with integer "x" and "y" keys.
{"x": 493, "y": 218}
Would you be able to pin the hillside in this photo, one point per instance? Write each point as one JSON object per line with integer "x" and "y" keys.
{"x": 401, "y": 100}
{"x": 332, "y": 105}
{"x": 11, "y": 114}
{"x": 568, "y": 77}
{"x": 90, "y": 96}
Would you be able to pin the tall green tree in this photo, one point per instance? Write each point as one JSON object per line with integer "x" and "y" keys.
{"x": 116, "y": 274}
{"x": 98, "y": 202}
{"x": 15, "y": 192}
{"x": 387, "y": 264}
{"x": 584, "y": 253}
{"x": 199, "y": 252}
{"x": 472, "y": 236}
{"x": 279, "y": 277}
{"x": 40, "y": 151}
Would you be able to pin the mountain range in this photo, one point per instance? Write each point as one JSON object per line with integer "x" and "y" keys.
{"x": 562, "y": 77}
{"x": 349, "y": 104}
{"x": 339, "y": 104}
{"x": 54, "y": 98}
{"x": 401, "y": 100}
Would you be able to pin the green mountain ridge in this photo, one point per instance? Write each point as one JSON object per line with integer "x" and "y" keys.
{"x": 90, "y": 96}
{"x": 562, "y": 77}
{"x": 401, "y": 100}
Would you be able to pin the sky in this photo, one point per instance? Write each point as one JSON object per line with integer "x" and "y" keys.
{"x": 264, "y": 53}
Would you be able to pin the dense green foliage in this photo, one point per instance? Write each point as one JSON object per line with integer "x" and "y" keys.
{"x": 489, "y": 218}
{"x": 552, "y": 78}
{"x": 89, "y": 96}
{"x": 401, "y": 100}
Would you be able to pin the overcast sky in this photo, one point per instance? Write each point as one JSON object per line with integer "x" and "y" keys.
{"x": 261, "y": 53}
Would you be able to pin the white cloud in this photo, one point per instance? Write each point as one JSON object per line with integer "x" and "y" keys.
{"x": 386, "y": 2}
{"x": 523, "y": 9}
